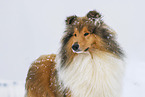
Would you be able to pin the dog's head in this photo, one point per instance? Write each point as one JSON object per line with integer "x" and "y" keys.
{"x": 81, "y": 32}
{"x": 86, "y": 34}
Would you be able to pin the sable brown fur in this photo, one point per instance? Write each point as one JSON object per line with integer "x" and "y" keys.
{"x": 42, "y": 78}
{"x": 91, "y": 33}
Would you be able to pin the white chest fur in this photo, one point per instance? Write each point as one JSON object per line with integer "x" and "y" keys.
{"x": 99, "y": 75}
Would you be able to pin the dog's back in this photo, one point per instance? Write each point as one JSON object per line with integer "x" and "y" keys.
{"x": 41, "y": 79}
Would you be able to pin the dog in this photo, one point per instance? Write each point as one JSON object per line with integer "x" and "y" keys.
{"x": 90, "y": 62}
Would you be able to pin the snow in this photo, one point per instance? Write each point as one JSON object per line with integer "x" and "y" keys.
{"x": 12, "y": 88}
{"x": 134, "y": 82}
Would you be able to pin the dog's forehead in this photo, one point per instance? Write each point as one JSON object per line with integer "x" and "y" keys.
{"x": 84, "y": 29}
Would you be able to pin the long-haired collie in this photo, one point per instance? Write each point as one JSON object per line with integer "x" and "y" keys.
{"x": 89, "y": 63}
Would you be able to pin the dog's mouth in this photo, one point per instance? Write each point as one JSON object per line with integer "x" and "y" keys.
{"x": 81, "y": 51}
{"x": 86, "y": 49}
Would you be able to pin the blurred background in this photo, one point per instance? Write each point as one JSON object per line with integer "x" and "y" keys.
{"x": 30, "y": 28}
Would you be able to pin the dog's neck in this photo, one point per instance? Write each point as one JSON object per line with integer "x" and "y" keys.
{"x": 96, "y": 75}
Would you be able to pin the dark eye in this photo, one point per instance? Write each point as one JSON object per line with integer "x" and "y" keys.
{"x": 86, "y": 34}
{"x": 75, "y": 34}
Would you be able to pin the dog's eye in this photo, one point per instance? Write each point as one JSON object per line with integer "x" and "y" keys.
{"x": 86, "y": 34}
{"x": 75, "y": 34}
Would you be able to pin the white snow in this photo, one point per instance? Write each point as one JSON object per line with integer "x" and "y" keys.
{"x": 12, "y": 88}
{"x": 134, "y": 82}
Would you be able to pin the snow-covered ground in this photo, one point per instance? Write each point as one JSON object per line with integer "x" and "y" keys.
{"x": 134, "y": 83}
{"x": 12, "y": 88}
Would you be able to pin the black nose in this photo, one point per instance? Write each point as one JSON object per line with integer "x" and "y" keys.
{"x": 75, "y": 46}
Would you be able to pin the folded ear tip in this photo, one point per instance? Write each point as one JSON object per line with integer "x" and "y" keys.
{"x": 71, "y": 19}
{"x": 93, "y": 14}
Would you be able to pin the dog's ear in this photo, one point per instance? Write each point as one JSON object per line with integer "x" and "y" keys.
{"x": 93, "y": 15}
{"x": 70, "y": 19}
